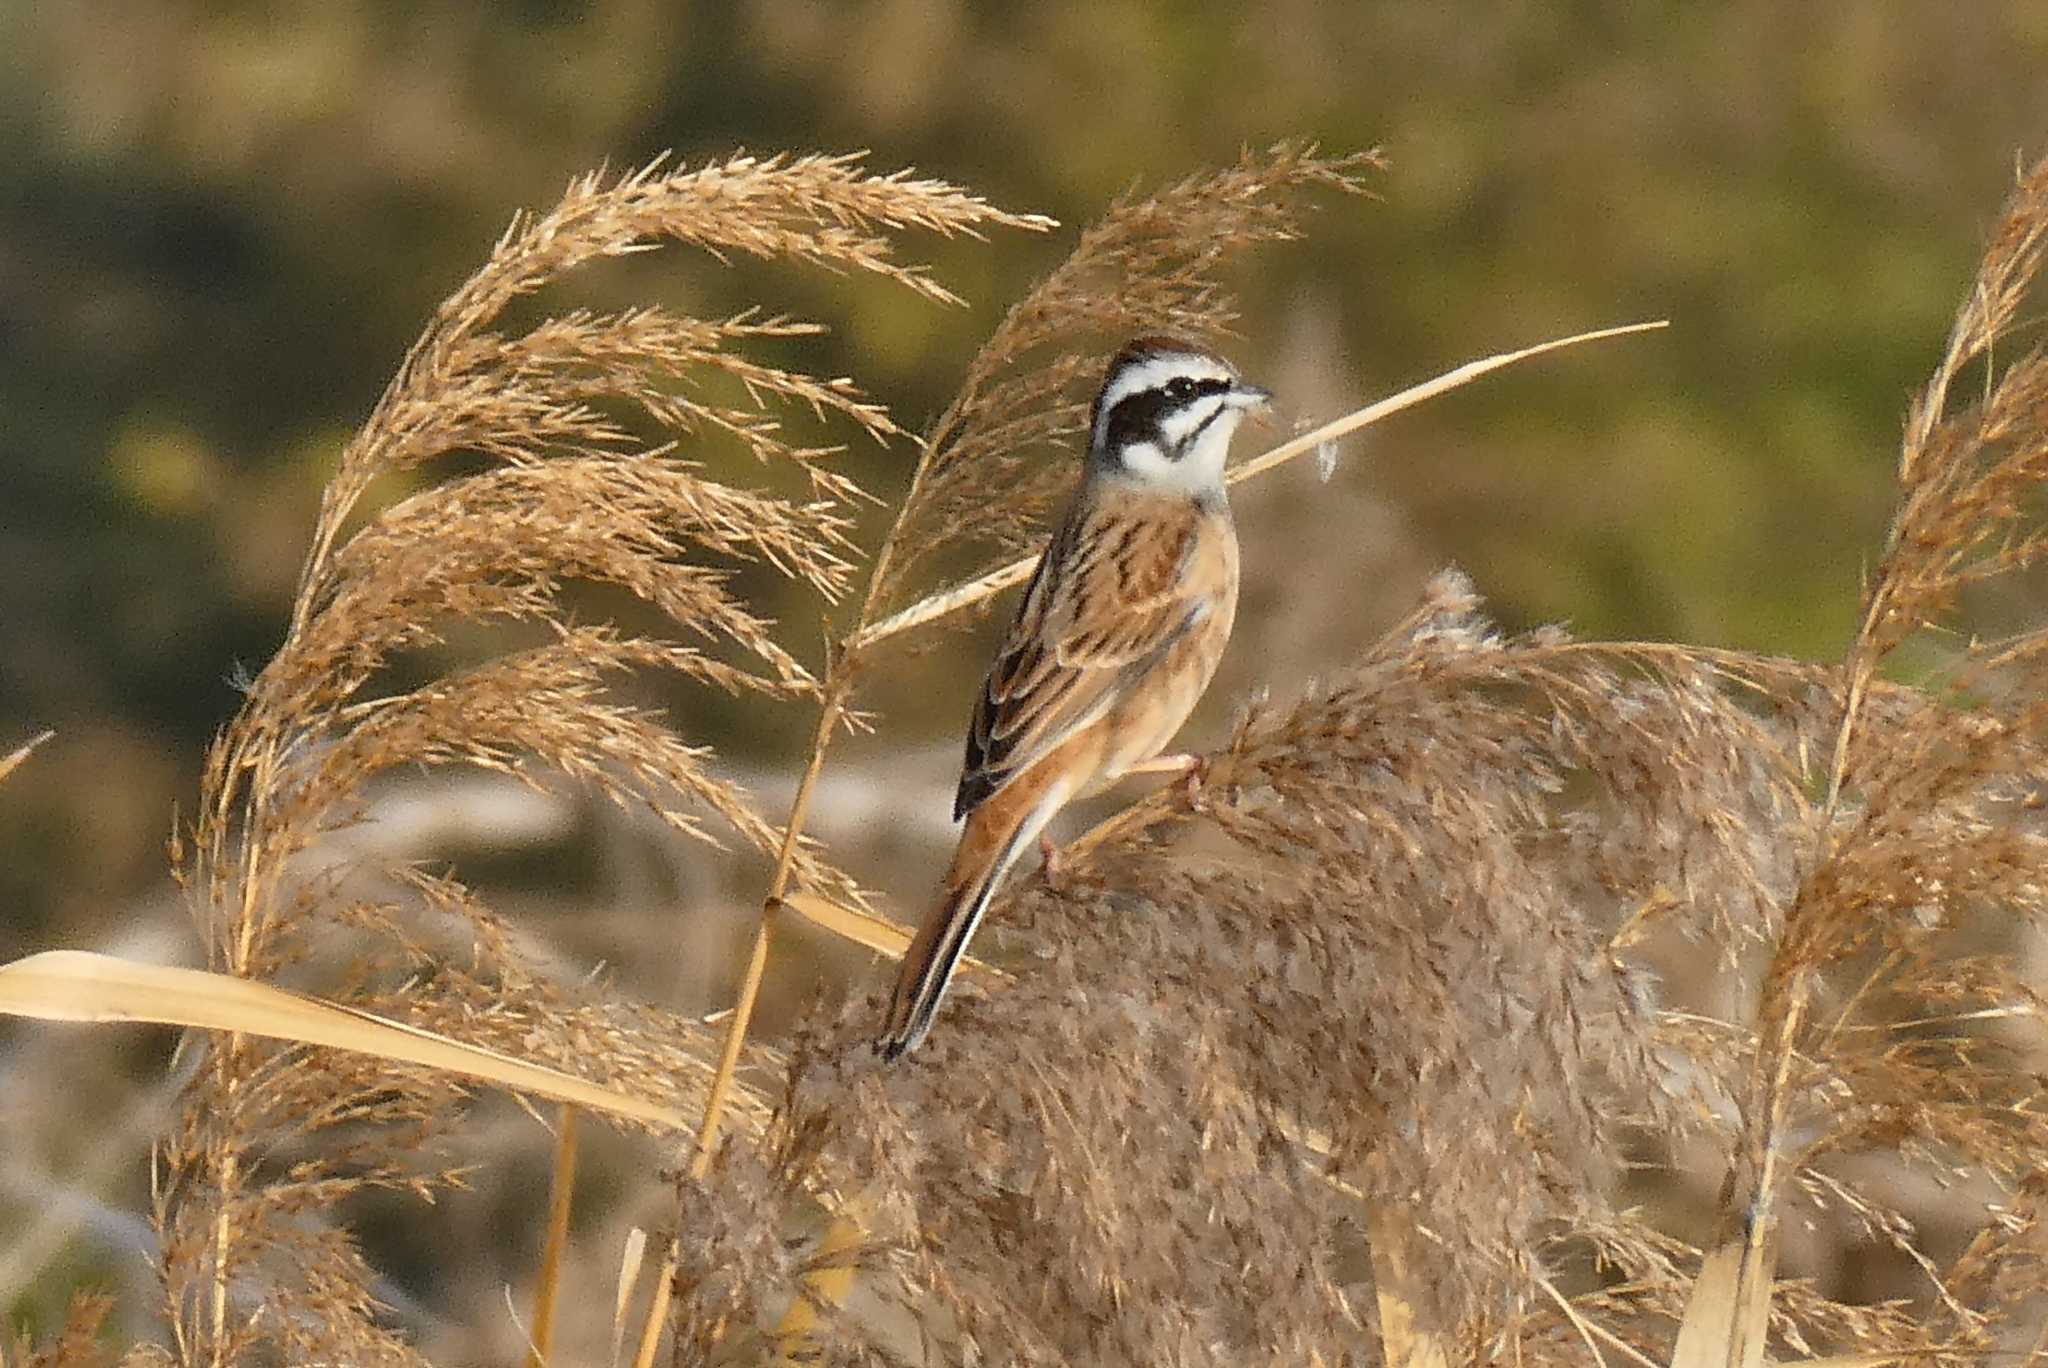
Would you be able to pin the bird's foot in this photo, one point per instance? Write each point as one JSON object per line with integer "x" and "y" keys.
{"x": 1191, "y": 770}
{"x": 1055, "y": 863}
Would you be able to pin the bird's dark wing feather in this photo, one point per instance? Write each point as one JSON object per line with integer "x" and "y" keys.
{"x": 1108, "y": 598}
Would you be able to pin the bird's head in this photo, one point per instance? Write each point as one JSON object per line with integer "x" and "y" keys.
{"x": 1166, "y": 412}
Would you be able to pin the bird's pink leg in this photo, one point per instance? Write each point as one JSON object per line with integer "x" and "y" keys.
{"x": 1174, "y": 762}
{"x": 1191, "y": 768}
{"x": 1055, "y": 862}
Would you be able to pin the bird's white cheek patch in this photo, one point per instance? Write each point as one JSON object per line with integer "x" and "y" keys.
{"x": 1184, "y": 423}
{"x": 1203, "y": 463}
{"x": 1198, "y": 468}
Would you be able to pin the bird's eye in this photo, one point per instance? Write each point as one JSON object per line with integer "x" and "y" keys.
{"x": 1180, "y": 388}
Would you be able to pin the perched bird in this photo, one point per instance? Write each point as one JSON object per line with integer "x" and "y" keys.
{"x": 1118, "y": 635}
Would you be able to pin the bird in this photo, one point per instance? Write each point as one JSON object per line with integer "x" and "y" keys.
{"x": 1117, "y": 636}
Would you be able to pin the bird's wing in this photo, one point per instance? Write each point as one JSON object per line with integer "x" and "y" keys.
{"x": 1110, "y": 596}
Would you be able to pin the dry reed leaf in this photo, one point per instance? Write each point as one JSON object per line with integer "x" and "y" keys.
{"x": 1727, "y": 1313}
{"x": 631, "y": 1259}
{"x": 879, "y": 934}
{"x": 78, "y": 985}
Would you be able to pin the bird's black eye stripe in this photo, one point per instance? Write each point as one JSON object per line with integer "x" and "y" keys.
{"x": 1182, "y": 388}
{"x": 1137, "y": 417}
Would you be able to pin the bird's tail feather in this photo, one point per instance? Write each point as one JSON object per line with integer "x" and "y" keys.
{"x": 928, "y": 965}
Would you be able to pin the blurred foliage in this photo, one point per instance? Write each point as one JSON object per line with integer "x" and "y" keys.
{"x": 221, "y": 225}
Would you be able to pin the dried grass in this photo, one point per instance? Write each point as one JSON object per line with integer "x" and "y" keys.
{"x": 559, "y": 488}
{"x": 1358, "y": 1054}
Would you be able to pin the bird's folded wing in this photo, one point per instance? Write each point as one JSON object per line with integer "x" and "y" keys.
{"x": 1108, "y": 601}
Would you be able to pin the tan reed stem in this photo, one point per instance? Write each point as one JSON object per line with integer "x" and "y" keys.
{"x": 547, "y": 1286}
{"x": 836, "y": 687}
{"x": 657, "y": 1312}
{"x": 750, "y": 986}
{"x": 12, "y": 760}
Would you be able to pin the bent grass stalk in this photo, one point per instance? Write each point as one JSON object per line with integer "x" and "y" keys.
{"x": 960, "y": 597}
{"x": 12, "y": 760}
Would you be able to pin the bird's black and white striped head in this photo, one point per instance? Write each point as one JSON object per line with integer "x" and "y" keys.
{"x": 1166, "y": 414}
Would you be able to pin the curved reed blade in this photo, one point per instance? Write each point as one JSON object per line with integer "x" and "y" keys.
{"x": 1407, "y": 1338}
{"x": 1727, "y": 1311}
{"x": 960, "y": 597}
{"x": 878, "y": 934}
{"x": 78, "y": 985}
{"x": 631, "y": 1259}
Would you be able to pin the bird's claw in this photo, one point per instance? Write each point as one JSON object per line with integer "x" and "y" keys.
{"x": 1054, "y": 863}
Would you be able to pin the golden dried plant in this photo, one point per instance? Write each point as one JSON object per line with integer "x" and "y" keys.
{"x": 1364, "y": 1051}
{"x": 529, "y": 473}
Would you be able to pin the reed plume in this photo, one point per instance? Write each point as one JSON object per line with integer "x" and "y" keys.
{"x": 529, "y": 470}
{"x": 998, "y": 456}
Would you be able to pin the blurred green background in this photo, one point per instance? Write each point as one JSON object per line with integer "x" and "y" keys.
{"x": 221, "y": 226}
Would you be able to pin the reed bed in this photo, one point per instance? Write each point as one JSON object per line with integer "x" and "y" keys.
{"x": 1373, "y": 1048}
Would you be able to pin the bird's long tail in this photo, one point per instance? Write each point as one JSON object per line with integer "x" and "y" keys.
{"x": 979, "y": 864}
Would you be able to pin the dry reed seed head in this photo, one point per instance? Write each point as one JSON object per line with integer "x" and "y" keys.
{"x": 1700, "y": 834}
{"x": 1427, "y": 983}
{"x": 1965, "y": 474}
{"x": 1913, "y": 839}
{"x": 1392, "y": 958}
{"x": 2006, "y": 1265}
{"x": 989, "y": 472}
{"x": 255, "y": 1261}
{"x": 499, "y": 546}
{"x": 76, "y": 1344}
{"x": 1141, "y": 1209}
{"x": 462, "y": 971}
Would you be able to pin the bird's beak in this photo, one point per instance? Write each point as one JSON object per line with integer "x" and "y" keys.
{"x": 1245, "y": 395}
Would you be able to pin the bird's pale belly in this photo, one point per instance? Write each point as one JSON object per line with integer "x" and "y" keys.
{"x": 1143, "y": 725}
